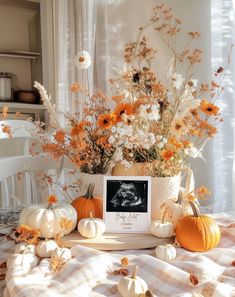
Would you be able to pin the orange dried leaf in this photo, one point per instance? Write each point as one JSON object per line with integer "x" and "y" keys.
{"x": 123, "y": 271}
{"x": 124, "y": 261}
{"x": 193, "y": 279}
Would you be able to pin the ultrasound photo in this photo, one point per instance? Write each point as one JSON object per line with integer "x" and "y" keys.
{"x": 127, "y": 196}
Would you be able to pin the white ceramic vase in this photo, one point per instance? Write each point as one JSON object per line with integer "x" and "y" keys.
{"x": 163, "y": 188}
{"x": 96, "y": 179}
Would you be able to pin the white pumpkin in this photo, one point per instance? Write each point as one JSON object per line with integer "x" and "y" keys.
{"x": 48, "y": 220}
{"x": 91, "y": 227}
{"x": 132, "y": 286}
{"x": 25, "y": 248}
{"x": 63, "y": 253}
{"x": 45, "y": 248}
{"x": 166, "y": 252}
{"x": 162, "y": 229}
{"x": 27, "y": 261}
{"x": 173, "y": 210}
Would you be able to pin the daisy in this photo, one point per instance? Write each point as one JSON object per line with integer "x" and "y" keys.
{"x": 209, "y": 108}
{"x": 121, "y": 109}
{"x": 105, "y": 121}
{"x": 178, "y": 127}
{"x": 83, "y": 60}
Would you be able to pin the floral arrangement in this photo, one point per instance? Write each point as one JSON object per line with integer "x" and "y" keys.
{"x": 161, "y": 124}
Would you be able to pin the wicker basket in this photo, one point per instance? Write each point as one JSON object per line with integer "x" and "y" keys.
{"x": 10, "y": 216}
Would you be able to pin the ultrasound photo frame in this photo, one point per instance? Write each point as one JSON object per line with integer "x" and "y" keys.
{"x": 127, "y": 204}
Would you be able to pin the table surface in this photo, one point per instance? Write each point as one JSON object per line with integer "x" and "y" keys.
{"x": 91, "y": 271}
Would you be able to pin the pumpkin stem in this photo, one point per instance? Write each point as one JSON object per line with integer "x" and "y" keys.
{"x": 195, "y": 209}
{"x": 163, "y": 217}
{"x": 135, "y": 272}
{"x": 90, "y": 214}
{"x": 90, "y": 190}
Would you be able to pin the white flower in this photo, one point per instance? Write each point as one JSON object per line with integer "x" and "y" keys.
{"x": 160, "y": 145}
{"x": 193, "y": 152}
{"x": 111, "y": 139}
{"x": 83, "y": 60}
{"x": 177, "y": 80}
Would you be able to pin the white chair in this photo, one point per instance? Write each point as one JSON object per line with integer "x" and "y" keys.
{"x": 10, "y": 168}
{"x": 19, "y": 143}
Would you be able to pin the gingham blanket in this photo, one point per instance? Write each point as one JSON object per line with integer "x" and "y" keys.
{"x": 90, "y": 272}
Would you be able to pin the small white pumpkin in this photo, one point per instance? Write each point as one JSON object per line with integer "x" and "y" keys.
{"x": 173, "y": 210}
{"x": 25, "y": 248}
{"x": 162, "y": 229}
{"x": 26, "y": 261}
{"x": 132, "y": 286}
{"x": 45, "y": 248}
{"x": 166, "y": 252}
{"x": 63, "y": 253}
{"x": 91, "y": 227}
{"x": 47, "y": 219}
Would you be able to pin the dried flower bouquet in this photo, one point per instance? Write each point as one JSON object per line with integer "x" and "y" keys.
{"x": 159, "y": 123}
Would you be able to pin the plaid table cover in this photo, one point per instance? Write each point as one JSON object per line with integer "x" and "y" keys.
{"x": 89, "y": 272}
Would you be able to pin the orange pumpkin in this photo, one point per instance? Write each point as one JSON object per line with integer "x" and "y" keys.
{"x": 87, "y": 204}
{"x": 197, "y": 233}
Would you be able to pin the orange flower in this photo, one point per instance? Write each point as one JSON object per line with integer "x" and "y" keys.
{"x": 177, "y": 144}
{"x": 103, "y": 141}
{"x": 118, "y": 98}
{"x": 78, "y": 129}
{"x": 209, "y": 108}
{"x": 7, "y": 129}
{"x": 75, "y": 87}
{"x": 123, "y": 108}
{"x": 209, "y": 129}
{"x": 167, "y": 154}
{"x": 105, "y": 121}
{"x": 52, "y": 199}
{"x": 202, "y": 191}
{"x": 59, "y": 136}
{"x": 186, "y": 143}
{"x": 53, "y": 149}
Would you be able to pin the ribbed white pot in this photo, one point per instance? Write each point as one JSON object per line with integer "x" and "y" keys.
{"x": 163, "y": 188}
{"x": 96, "y": 179}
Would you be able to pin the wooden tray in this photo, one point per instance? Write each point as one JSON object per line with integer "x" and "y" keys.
{"x": 115, "y": 241}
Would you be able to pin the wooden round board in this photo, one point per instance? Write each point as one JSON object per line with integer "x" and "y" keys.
{"x": 116, "y": 241}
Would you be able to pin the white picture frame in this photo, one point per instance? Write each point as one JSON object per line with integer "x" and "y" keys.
{"x": 127, "y": 204}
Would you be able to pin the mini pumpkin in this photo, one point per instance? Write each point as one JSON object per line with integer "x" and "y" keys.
{"x": 45, "y": 248}
{"x": 161, "y": 228}
{"x": 197, "y": 233}
{"x": 47, "y": 218}
{"x": 165, "y": 252}
{"x": 132, "y": 286}
{"x": 88, "y": 203}
{"x": 91, "y": 227}
{"x": 63, "y": 253}
{"x": 174, "y": 210}
{"x": 23, "y": 261}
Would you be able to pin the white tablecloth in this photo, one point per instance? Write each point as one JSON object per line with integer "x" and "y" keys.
{"x": 89, "y": 272}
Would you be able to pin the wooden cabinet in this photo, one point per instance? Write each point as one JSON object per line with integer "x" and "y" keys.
{"x": 20, "y": 48}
